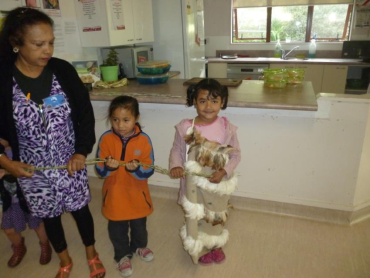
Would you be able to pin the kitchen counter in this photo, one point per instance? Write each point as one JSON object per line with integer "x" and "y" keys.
{"x": 249, "y": 94}
{"x": 290, "y": 158}
{"x": 270, "y": 60}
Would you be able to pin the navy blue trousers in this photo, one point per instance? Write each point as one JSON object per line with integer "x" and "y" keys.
{"x": 122, "y": 243}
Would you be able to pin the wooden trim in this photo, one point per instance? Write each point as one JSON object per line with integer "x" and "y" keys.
{"x": 309, "y": 23}
{"x": 248, "y": 39}
{"x": 348, "y": 17}
{"x": 268, "y": 24}
{"x": 236, "y": 24}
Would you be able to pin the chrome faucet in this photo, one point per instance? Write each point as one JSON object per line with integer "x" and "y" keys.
{"x": 284, "y": 56}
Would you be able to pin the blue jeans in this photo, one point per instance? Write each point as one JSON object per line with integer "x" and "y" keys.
{"x": 118, "y": 234}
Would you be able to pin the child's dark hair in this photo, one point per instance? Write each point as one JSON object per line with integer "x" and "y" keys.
{"x": 125, "y": 102}
{"x": 14, "y": 28}
{"x": 214, "y": 88}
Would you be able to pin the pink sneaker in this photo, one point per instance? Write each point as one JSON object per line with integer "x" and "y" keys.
{"x": 206, "y": 259}
{"x": 218, "y": 255}
{"x": 125, "y": 267}
{"x": 145, "y": 254}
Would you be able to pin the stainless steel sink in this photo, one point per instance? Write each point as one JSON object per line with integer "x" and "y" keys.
{"x": 295, "y": 59}
{"x": 279, "y": 59}
{"x": 268, "y": 59}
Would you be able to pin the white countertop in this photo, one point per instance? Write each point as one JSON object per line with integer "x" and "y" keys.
{"x": 272, "y": 60}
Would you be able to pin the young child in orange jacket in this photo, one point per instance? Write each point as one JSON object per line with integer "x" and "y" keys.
{"x": 126, "y": 197}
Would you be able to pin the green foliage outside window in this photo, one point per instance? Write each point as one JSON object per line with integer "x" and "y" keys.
{"x": 290, "y": 22}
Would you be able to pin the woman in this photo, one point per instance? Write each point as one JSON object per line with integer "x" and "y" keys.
{"x": 47, "y": 117}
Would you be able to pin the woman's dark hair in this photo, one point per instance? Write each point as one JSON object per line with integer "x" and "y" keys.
{"x": 214, "y": 88}
{"x": 125, "y": 102}
{"x": 14, "y": 28}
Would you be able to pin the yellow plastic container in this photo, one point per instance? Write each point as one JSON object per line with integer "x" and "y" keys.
{"x": 296, "y": 72}
{"x": 295, "y": 80}
{"x": 275, "y": 74}
{"x": 277, "y": 84}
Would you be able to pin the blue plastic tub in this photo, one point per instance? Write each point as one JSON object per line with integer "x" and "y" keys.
{"x": 152, "y": 71}
{"x": 152, "y": 79}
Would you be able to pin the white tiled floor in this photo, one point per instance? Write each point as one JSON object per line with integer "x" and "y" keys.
{"x": 260, "y": 246}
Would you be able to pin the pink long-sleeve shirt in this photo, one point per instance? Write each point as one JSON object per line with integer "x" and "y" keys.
{"x": 221, "y": 130}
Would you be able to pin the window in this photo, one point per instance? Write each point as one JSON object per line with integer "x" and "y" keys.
{"x": 330, "y": 22}
{"x": 291, "y": 23}
{"x": 288, "y": 23}
{"x": 252, "y": 24}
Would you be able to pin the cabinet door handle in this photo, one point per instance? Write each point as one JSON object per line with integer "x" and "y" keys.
{"x": 130, "y": 40}
{"x": 341, "y": 68}
{"x": 139, "y": 39}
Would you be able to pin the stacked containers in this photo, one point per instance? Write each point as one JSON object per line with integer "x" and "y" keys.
{"x": 153, "y": 72}
{"x": 279, "y": 78}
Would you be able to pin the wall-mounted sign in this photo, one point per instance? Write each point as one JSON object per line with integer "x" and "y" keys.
{"x": 89, "y": 11}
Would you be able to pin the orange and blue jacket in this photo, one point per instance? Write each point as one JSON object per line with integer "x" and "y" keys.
{"x": 125, "y": 193}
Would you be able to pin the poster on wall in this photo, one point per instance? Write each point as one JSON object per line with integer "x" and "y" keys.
{"x": 362, "y": 16}
{"x": 89, "y": 11}
{"x": 32, "y": 3}
{"x": 59, "y": 42}
{"x": 51, "y": 8}
{"x": 116, "y": 8}
{"x": 51, "y": 4}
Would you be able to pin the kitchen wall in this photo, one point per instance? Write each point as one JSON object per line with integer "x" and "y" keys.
{"x": 217, "y": 29}
{"x": 74, "y": 50}
{"x": 68, "y": 45}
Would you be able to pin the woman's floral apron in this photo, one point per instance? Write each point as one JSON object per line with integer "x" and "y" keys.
{"x": 46, "y": 139}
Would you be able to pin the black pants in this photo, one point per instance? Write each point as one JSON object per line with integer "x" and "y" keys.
{"x": 85, "y": 224}
{"x": 118, "y": 234}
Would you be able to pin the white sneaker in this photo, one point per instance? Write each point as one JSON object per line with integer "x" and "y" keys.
{"x": 124, "y": 266}
{"x": 145, "y": 254}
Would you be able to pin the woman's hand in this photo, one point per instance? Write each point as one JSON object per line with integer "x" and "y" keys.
{"x": 177, "y": 173}
{"x": 16, "y": 168}
{"x": 4, "y": 143}
{"x": 112, "y": 163}
{"x": 2, "y": 173}
{"x": 217, "y": 176}
{"x": 76, "y": 163}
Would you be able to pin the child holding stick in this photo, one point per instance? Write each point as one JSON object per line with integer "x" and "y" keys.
{"x": 214, "y": 150}
{"x": 126, "y": 197}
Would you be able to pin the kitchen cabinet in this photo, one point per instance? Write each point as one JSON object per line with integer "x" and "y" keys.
{"x": 98, "y": 22}
{"x": 282, "y": 66}
{"x": 143, "y": 20}
{"x": 313, "y": 73}
{"x": 334, "y": 79}
{"x": 217, "y": 70}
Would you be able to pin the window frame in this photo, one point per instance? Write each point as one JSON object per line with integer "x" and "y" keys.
{"x": 308, "y": 27}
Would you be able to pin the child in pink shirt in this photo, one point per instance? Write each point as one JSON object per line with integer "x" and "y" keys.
{"x": 205, "y": 200}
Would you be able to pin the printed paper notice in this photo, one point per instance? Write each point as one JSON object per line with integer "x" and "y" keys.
{"x": 59, "y": 43}
{"x": 89, "y": 11}
{"x": 117, "y": 14}
{"x": 362, "y": 16}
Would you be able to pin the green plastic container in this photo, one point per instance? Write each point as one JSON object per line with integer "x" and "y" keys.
{"x": 109, "y": 73}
